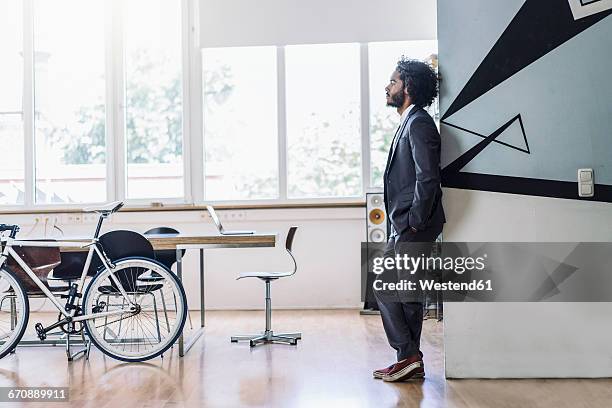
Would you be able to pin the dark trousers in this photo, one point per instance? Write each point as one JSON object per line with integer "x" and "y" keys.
{"x": 403, "y": 320}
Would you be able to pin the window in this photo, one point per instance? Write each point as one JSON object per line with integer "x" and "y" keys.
{"x": 384, "y": 120}
{"x": 11, "y": 114}
{"x": 106, "y": 81}
{"x": 92, "y": 109}
{"x": 320, "y": 118}
{"x": 153, "y": 99}
{"x": 70, "y": 131}
{"x": 240, "y": 123}
{"x": 323, "y": 121}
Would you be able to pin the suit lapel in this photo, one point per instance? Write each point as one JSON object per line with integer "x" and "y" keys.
{"x": 395, "y": 140}
{"x": 391, "y": 150}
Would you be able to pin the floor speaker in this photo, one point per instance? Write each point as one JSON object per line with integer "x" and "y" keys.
{"x": 376, "y": 228}
{"x": 376, "y": 219}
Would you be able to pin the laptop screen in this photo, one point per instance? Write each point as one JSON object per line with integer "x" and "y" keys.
{"x": 214, "y": 217}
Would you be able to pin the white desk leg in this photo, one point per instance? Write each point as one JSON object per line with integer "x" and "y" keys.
{"x": 179, "y": 272}
{"x": 202, "y": 319}
{"x": 184, "y": 347}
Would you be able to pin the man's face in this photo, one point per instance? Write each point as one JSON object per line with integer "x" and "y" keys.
{"x": 395, "y": 91}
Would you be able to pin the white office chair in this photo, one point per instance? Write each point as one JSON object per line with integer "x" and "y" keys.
{"x": 268, "y": 335}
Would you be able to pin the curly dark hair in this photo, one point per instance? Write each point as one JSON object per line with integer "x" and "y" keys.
{"x": 420, "y": 79}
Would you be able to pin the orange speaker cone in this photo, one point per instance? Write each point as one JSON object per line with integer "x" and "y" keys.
{"x": 377, "y": 216}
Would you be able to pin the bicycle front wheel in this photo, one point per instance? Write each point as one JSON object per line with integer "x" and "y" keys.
{"x": 146, "y": 321}
{"x": 14, "y": 311}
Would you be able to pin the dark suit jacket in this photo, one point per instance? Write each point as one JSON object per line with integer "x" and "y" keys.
{"x": 413, "y": 197}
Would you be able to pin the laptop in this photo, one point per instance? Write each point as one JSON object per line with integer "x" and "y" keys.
{"x": 217, "y": 222}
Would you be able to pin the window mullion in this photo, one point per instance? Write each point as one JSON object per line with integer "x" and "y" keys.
{"x": 28, "y": 103}
{"x": 365, "y": 118}
{"x": 116, "y": 109}
{"x": 193, "y": 150}
{"x": 282, "y": 121}
{"x": 186, "y": 93}
{"x": 111, "y": 193}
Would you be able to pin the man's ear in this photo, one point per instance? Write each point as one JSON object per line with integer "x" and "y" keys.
{"x": 407, "y": 95}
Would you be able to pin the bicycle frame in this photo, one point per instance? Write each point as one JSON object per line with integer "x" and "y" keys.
{"x": 93, "y": 247}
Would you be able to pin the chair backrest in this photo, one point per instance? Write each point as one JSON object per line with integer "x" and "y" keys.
{"x": 71, "y": 266}
{"x": 165, "y": 256}
{"x": 290, "y": 236}
{"x": 161, "y": 231}
{"x": 117, "y": 244}
{"x": 122, "y": 244}
{"x": 289, "y": 246}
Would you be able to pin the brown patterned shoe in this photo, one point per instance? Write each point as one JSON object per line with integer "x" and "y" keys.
{"x": 382, "y": 371}
{"x": 420, "y": 374}
{"x": 411, "y": 367}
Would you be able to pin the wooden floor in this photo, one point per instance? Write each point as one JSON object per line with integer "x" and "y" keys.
{"x": 331, "y": 367}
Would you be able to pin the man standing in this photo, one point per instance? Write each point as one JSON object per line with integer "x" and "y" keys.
{"x": 414, "y": 207}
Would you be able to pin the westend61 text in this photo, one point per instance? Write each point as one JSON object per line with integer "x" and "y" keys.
{"x": 405, "y": 285}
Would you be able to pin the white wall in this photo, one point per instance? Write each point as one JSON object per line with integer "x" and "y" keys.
{"x": 489, "y": 340}
{"x": 225, "y": 23}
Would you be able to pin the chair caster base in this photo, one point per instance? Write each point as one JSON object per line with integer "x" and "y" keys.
{"x": 268, "y": 337}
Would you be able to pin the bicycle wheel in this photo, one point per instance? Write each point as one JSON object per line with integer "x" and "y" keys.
{"x": 14, "y": 311}
{"x": 148, "y": 322}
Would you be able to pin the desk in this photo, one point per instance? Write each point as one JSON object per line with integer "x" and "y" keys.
{"x": 202, "y": 242}
{"x": 180, "y": 242}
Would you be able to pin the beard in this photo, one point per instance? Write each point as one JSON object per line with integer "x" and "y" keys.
{"x": 397, "y": 100}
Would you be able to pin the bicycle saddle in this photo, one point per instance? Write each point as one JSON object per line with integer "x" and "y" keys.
{"x": 106, "y": 209}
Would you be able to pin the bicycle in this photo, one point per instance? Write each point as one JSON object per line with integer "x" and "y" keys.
{"x": 120, "y": 309}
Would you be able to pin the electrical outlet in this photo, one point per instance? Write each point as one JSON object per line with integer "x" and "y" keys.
{"x": 234, "y": 215}
{"x": 225, "y": 215}
{"x": 71, "y": 218}
{"x": 586, "y": 183}
{"x": 90, "y": 218}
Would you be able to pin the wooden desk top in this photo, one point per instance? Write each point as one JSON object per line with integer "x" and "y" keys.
{"x": 172, "y": 241}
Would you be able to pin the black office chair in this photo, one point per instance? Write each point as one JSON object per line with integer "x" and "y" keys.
{"x": 70, "y": 267}
{"x": 123, "y": 244}
{"x": 268, "y": 336}
{"x": 165, "y": 256}
{"x": 117, "y": 244}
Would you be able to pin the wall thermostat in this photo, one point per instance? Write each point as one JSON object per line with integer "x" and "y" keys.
{"x": 586, "y": 185}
